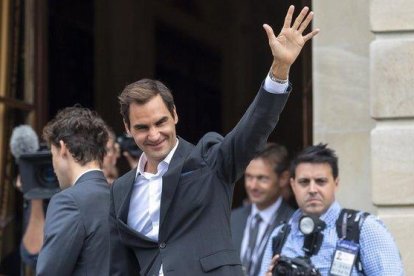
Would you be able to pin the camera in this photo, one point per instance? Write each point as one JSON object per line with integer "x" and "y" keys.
{"x": 127, "y": 143}
{"x": 295, "y": 267}
{"x": 37, "y": 175}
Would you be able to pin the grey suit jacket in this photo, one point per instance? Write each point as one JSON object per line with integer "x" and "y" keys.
{"x": 197, "y": 190}
{"x": 238, "y": 223}
{"x": 76, "y": 240}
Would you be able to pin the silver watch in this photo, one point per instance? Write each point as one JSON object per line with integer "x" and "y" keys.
{"x": 273, "y": 78}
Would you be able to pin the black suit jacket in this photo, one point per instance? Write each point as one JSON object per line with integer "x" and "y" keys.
{"x": 238, "y": 223}
{"x": 76, "y": 229}
{"x": 197, "y": 190}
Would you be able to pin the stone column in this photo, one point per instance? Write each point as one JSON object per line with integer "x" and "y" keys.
{"x": 341, "y": 115}
{"x": 392, "y": 106}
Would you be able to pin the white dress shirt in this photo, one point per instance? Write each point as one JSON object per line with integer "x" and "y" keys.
{"x": 268, "y": 215}
{"x": 144, "y": 207}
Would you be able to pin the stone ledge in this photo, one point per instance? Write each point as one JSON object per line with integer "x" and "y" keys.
{"x": 391, "y": 15}
{"x": 391, "y": 80}
{"x": 392, "y": 157}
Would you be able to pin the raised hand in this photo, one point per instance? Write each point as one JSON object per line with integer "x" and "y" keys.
{"x": 290, "y": 41}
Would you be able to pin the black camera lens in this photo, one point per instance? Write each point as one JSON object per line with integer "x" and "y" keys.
{"x": 47, "y": 176}
{"x": 281, "y": 270}
{"x": 127, "y": 144}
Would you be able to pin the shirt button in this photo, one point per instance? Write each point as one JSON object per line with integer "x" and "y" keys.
{"x": 163, "y": 245}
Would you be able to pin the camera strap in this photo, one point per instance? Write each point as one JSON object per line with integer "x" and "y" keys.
{"x": 348, "y": 227}
{"x": 280, "y": 239}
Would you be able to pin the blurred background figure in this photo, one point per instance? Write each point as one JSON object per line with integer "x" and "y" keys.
{"x": 24, "y": 143}
{"x": 129, "y": 150}
{"x": 110, "y": 160}
{"x": 267, "y": 186}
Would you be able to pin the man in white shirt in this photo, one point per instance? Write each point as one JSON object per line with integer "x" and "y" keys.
{"x": 171, "y": 215}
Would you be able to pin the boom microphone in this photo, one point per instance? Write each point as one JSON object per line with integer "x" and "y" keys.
{"x": 23, "y": 140}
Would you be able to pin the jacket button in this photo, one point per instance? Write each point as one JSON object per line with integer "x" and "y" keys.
{"x": 163, "y": 245}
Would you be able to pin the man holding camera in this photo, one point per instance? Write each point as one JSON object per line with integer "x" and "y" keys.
{"x": 321, "y": 238}
{"x": 76, "y": 233}
{"x": 170, "y": 216}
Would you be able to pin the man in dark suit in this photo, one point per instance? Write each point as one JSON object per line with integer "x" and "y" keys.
{"x": 265, "y": 179}
{"x": 76, "y": 233}
{"x": 171, "y": 215}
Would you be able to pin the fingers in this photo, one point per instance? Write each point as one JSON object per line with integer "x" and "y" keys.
{"x": 269, "y": 31}
{"x": 272, "y": 265}
{"x": 305, "y": 23}
{"x": 300, "y": 18}
{"x": 288, "y": 18}
{"x": 310, "y": 35}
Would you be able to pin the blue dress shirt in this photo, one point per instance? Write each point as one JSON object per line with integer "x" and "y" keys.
{"x": 378, "y": 252}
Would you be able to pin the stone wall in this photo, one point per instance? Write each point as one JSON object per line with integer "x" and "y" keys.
{"x": 392, "y": 106}
{"x": 363, "y": 106}
{"x": 341, "y": 94}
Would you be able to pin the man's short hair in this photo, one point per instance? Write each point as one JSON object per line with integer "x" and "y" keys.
{"x": 276, "y": 155}
{"x": 82, "y": 130}
{"x": 142, "y": 91}
{"x": 317, "y": 155}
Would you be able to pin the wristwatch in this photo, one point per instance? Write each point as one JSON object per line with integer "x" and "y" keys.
{"x": 273, "y": 78}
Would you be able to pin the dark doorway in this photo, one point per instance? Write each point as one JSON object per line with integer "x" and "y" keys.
{"x": 70, "y": 54}
{"x": 212, "y": 54}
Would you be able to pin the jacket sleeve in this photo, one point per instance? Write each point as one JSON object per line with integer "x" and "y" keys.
{"x": 63, "y": 239}
{"x": 122, "y": 261}
{"x": 231, "y": 156}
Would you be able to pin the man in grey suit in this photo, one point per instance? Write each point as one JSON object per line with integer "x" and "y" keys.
{"x": 266, "y": 178}
{"x": 171, "y": 215}
{"x": 76, "y": 234}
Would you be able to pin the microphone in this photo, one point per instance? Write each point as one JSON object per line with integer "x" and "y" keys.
{"x": 23, "y": 140}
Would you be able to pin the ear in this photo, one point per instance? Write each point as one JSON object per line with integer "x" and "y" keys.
{"x": 175, "y": 115}
{"x": 336, "y": 183}
{"x": 63, "y": 149}
{"x": 292, "y": 183}
{"x": 126, "y": 128}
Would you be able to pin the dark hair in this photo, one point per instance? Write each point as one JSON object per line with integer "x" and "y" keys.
{"x": 316, "y": 154}
{"x": 82, "y": 130}
{"x": 141, "y": 92}
{"x": 276, "y": 155}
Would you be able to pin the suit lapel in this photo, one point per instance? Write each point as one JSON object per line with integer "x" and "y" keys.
{"x": 171, "y": 178}
{"x": 126, "y": 190}
{"x": 283, "y": 213}
{"x": 241, "y": 225}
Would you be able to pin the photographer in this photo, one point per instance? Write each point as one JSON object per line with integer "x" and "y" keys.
{"x": 346, "y": 248}
{"x": 24, "y": 146}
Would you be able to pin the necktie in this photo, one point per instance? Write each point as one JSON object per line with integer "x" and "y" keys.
{"x": 248, "y": 256}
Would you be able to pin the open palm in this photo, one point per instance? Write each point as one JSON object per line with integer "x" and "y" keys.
{"x": 290, "y": 41}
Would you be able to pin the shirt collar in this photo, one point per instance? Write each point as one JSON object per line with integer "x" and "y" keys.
{"x": 162, "y": 165}
{"x": 268, "y": 213}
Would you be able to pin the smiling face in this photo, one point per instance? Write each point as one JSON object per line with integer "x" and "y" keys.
{"x": 153, "y": 128}
{"x": 262, "y": 183}
{"x": 314, "y": 187}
